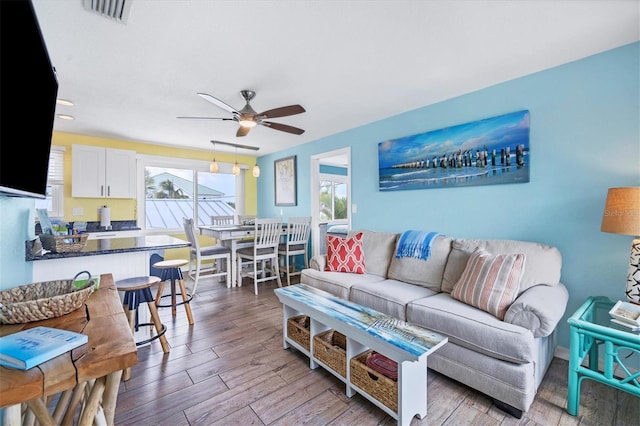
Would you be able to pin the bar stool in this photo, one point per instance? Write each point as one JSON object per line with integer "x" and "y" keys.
{"x": 137, "y": 290}
{"x": 170, "y": 270}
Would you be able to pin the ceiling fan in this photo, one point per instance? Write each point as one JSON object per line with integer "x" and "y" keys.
{"x": 248, "y": 118}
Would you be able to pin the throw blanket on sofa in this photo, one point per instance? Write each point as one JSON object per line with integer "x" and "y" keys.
{"x": 415, "y": 244}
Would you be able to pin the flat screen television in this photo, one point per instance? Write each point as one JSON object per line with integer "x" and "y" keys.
{"x": 28, "y": 91}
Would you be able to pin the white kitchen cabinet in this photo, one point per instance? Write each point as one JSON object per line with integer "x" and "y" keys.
{"x": 103, "y": 172}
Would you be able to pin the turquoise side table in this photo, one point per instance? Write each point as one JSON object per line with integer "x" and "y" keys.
{"x": 590, "y": 328}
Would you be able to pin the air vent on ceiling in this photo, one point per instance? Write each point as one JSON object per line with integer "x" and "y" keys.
{"x": 118, "y": 10}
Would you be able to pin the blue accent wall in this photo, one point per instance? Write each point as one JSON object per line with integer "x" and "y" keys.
{"x": 585, "y": 138}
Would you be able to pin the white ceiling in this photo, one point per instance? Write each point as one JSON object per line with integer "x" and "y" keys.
{"x": 348, "y": 63}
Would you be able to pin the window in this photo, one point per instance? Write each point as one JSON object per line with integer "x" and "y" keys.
{"x": 333, "y": 198}
{"x": 54, "y": 203}
{"x": 174, "y": 189}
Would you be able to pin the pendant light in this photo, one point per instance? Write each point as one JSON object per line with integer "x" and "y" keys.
{"x": 236, "y": 166}
{"x": 213, "y": 167}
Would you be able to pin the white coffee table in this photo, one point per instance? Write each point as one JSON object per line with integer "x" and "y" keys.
{"x": 365, "y": 328}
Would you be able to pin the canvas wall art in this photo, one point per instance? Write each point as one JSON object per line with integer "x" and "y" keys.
{"x": 285, "y": 175}
{"x": 485, "y": 152}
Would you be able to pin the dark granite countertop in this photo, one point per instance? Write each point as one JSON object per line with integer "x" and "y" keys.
{"x": 115, "y": 245}
{"x": 93, "y": 227}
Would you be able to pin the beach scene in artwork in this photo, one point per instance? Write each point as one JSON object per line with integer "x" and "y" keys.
{"x": 485, "y": 152}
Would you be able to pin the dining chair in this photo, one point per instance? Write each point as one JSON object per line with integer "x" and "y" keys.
{"x": 245, "y": 220}
{"x": 267, "y": 235}
{"x": 239, "y": 243}
{"x": 217, "y": 254}
{"x": 222, "y": 220}
{"x": 296, "y": 243}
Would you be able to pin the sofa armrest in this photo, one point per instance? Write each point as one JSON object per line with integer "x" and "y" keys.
{"x": 318, "y": 262}
{"x": 539, "y": 308}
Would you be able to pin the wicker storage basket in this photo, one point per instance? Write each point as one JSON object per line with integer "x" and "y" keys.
{"x": 298, "y": 330}
{"x": 43, "y": 300}
{"x": 375, "y": 384}
{"x": 330, "y": 347}
{"x": 64, "y": 243}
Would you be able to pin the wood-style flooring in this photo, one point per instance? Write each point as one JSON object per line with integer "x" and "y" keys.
{"x": 230, "y": 368}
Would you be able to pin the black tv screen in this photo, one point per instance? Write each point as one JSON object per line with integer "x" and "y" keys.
{"x": 28, "y": 91}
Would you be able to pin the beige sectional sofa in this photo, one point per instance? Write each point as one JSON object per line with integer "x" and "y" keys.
{"x": 504, "y": 359}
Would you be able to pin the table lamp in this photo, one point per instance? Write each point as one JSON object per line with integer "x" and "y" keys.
{"x": 622, "y": 216}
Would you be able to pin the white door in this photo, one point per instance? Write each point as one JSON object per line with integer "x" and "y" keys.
{"x": 340, "y": 160}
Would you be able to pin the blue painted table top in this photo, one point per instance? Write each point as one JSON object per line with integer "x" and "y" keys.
{"x": 408, "y": 337}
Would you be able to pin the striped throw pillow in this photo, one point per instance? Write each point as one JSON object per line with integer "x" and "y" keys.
{"x": 345, "y": 254}
{"x": 490, "y": 282}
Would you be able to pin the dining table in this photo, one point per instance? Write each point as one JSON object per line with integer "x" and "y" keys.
{"x": 230, "y": 236}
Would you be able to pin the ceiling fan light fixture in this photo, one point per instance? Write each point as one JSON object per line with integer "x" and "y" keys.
{"x": 247, "y": 122}
{"x": 248, "y": 118}
{"x": 256, "y": 171}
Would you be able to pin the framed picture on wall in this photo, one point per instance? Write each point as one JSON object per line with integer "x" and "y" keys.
{"x": 490, "y": 151}
{"x": 284, "y": 180}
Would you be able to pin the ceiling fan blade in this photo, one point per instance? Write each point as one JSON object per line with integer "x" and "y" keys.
{"x": 242, "y": 131}
{"x": 282, "y": 127}
{"x": 218, "y": 103}
{"x": 208, "y": 118}
{"x": 282, "y": 111}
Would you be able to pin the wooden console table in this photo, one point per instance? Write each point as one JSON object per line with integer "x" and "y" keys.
{"x": 365, "y": 328}
{"x": 86, "y": 378}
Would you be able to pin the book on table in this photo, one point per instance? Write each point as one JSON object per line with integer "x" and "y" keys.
{"x": 28, "y": 348}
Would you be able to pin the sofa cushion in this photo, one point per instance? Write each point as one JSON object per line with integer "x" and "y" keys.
{"x": 472, "y": 328}
{"x": 345, "y": 254}
{"x": 378, "y": 250}
{"x": 544, "y": 262}
{"x": 490, "y": 282}
{"x": 336, "y": 283}
{"x": 426, "y": 273}
{"x": 388, "y": 296}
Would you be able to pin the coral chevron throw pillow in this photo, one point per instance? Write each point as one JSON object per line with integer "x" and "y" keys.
{"x": 490, "y": 282}
{"x": 345, "y": 254}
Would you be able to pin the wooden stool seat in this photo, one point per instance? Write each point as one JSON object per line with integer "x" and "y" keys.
{"x": 136, "y": 283}
{"x": 173, "y": 263}
{"x": 170, "y": 270}
{"x": 137, "y": 290}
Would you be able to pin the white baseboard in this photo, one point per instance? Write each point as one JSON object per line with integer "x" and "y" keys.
{"x": 562, "y": 353}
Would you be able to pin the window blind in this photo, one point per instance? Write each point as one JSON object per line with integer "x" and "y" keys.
{"x": 56, "y": 166}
